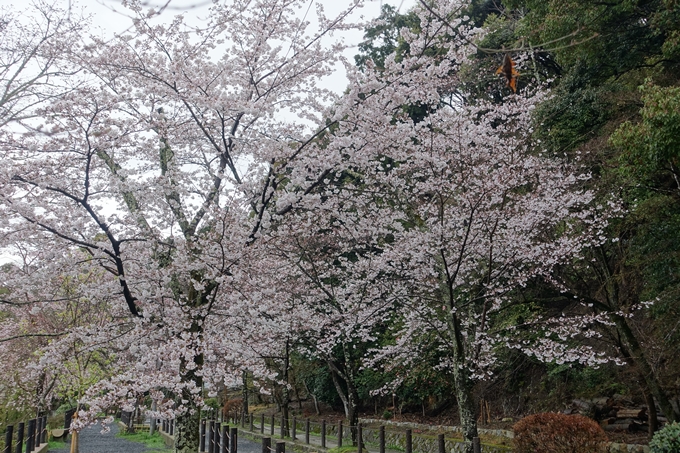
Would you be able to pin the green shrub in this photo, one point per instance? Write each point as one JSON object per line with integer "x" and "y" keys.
{"x": 558, "y": 433}
{"x": 387, "y": 415}
{"x": 666, "y": 440}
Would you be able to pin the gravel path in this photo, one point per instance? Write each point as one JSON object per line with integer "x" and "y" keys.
{"x": 92, "y": 441}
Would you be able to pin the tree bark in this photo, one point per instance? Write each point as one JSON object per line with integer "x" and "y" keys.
{"x": 639, "y": 359}
{"x": 464, "y": 384}
{"x": 152, "y": 420}
{"x": 245, "y": 410}
{"x": 187, "y": 424}
{"x": 349, "y": 397}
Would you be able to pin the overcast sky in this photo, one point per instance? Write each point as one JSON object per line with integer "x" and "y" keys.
{"x": 110, "y": 16}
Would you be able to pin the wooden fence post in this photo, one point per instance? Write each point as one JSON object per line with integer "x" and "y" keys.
{"x": 209, "y": 435}
{"x": 272, "y": 427}
{"x": 283, "y": 427}
{"x": 409, "y": 441}
{"x": 20, "y": 438}
{"x": 224, "y": 438}
{"x": 252, "y": 422}
{"x": 476, "y": 445}
{"x": 381, "y": 439}
{"x": 307, "y": 431}
{"x": 323, "y": 433}
{"x": 266, "y": 444}
{"x": 8, "y": 439}
{"x": 201, "y": 434}
{"x": 30, "y": 435}
{"x": 442, "y": 443}
{"x": 294, "y": 429}
{"x": 360, "y": 440}
{"x": 233, "y": 440}
{"x": 44, "y": 434}
{"x": 340, "y": 434}
{"x": 281, "y": 447}
{"x": 38, "y": 432}
{"x": 262, "y": 424}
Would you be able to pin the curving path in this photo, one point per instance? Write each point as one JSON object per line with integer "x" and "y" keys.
{"x": 93, "y": 441}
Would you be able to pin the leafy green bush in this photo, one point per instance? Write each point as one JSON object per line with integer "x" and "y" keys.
{"x": 666, "y": 440}
{"x": 558, "y": 433}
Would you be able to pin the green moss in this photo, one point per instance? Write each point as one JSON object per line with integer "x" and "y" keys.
{"x": 154, "y": 442}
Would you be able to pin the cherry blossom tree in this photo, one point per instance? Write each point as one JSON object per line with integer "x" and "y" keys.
{"x": 459, "y": 205}
{"x": 56, "y": 339}
{"x": 187, "y": 165}
{"x": 33, "y": 44}
{"x": 159, "y": 158}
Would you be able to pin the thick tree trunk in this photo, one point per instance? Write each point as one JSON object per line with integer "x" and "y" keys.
{"x": 349, "y": 398}
{"x": 245, "y": 409}
{"x": 639, "y": 359}
{"x": 187, "y": 424}
{"x": 285, "y": 392}
{"x": 466, "y": 405}
{"x": 653, "y": 421}
{"x": 464, "y": 384}
{"x": 152, "y": 420}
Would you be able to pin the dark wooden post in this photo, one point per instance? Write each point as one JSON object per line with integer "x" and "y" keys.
{"x": 209, "y": 428}
{"x": 20, "y": 438}
{"x": 224, "y": 439}
{"x": 44, "y": 434}
{"x": 252, "y": 423}
{"x": 381, "y": 439}
{"x": 38, "y": 432}
{"x": 323, "y": 433}
{"x": 201, "y": 434}
{"x": 272, "y": 427}
{"x": 172, "y": 427}
{"x": 340, "y": 434}
{"x": 8, "y": 439}
{"x": 409, "y": 441}
{"x": 281, "y": 447}
{"x": 30, "y": 435}
{"x": 307, "y": 431}
{"x": 215, "y": 438}
{"x": 442, "y": 443}
{"x": 243, "y": 420}
{"x": 233, "y": 440}
{"x": 266, "y": 444}
{"x": 68, "y": 417}
{"x": 360, "y": 440}
{"x": 262, "y": 424}
{"x": 476, "y": 445}
{"x": 294, "y": 429}
{"x": 283, "y": 427}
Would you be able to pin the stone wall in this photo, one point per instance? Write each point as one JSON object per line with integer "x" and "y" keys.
{"x": 399, "y": 440}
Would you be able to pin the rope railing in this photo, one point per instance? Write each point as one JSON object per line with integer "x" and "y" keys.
{"x": 221, "y": 436}
{"x": 32, "y": 433}
{"x": 326, "y": 433}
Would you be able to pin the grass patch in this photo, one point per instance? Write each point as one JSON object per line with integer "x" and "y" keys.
{"x": 58, "y": 445}
{"x": 348, "y": 449}
{"x": 154, "y": 442}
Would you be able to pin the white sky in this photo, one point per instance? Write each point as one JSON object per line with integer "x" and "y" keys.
{"x": 110, "y": 17}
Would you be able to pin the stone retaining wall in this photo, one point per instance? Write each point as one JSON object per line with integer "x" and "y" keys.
{"x": 613, "y": 447}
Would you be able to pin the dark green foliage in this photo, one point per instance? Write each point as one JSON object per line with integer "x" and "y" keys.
{"x": 384, "y": 39}
{"x": 576, "y": 112}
